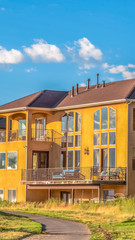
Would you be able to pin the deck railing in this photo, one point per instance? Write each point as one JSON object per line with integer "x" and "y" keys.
{"x": 17, "y": 135}
{"x": 2, "y": 135}
{"x": 76, "y": 174}
{"x": 48, "y": 135}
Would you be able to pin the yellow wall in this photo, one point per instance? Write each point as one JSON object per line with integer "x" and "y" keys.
{"x": 10, "y": 178}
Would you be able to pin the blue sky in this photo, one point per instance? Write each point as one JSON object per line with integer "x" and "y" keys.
{"x": 56, "y": 44}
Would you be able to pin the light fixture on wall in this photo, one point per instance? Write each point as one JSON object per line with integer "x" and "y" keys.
{"x": 86, "y": 151}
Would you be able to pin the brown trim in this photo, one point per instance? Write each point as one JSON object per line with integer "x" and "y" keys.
{"x": 62, "y": 187}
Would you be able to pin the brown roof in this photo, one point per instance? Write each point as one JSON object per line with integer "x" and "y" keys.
{"x": 42, "y": 99}
{"x": 111, "y": 91}
{"x": 53, "y": 99}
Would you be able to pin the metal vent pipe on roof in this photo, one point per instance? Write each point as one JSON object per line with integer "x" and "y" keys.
{"x": 88, "y": 83}
{"x": 97, "y": 80}
{"x": 76, "y": 88}
{"x": 103, "y": 83}
{"x": 72, "y": 93}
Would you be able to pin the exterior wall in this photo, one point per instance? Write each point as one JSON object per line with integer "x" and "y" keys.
{"x": 10, "y": 178}
{"x": 118, "y": 189}
{"x": 37, "y": 195}
{"x": 131, "y": 145}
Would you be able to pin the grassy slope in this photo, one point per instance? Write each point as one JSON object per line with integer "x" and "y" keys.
{"x": 13, "y": 227}
{"x": 114, "y": 220}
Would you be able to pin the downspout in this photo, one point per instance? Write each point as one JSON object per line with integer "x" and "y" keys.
{"x": 128, "y": 103}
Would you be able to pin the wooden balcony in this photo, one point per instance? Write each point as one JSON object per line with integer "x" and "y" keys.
{"x": 84, "y": 175}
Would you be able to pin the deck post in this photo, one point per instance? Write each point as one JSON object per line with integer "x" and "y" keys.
{"x": 49, "y": 193}
{"x": 72, "y": 196}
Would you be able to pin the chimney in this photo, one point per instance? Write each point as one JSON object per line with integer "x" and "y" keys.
{"x": 77, "y": 89}
{"x": 72, "y": 93}
{"x": 103, "y": 84}
{"x": 88, "y": 83}
{"x": 97, "y": 80}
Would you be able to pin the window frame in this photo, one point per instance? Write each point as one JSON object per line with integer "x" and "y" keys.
{"x": 115, "y": 156}
{"x": 115, "y": 118}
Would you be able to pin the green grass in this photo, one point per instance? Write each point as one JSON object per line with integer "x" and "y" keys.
{"x": 14, "y": 227}
{"x": 107, "y": 220}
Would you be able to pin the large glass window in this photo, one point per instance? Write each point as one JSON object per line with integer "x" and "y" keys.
{"x": 104, "y": 138}
{"x": 63, "y": 142}
{"x": 1, "y": 194}
{"x": 12, "y": 160}
{"x": 22, "y": 128}
{"x": 70, "y": 141}
{"x": 71, "y": 121}
{"x": 112, "y": 140}
{"x": 96, "y": 158}
{"x": 77, "y": 140}
{"x": 12, "y": 195}
{"x": 77, "y": 122}
{"x": 97, "y": 120}
{"x": 77, "y": 158}
{"x": 70, "y": 159}
{"x": 64, "y": 124}
{"x": 112, "y": 118}
{"x": 2, "y": 160}
{"x": 96, "y": 139}
{"x": 104, "y": 119}
{"x": 112, "y": 157}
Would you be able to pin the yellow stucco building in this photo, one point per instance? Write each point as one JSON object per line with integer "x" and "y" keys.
{"x": 74, "y": 146}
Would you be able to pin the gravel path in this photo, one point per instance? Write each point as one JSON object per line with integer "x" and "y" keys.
{"x": 57, "y": 229}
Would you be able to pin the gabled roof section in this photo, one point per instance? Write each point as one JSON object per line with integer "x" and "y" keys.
{"x": 42, "y": 99}
{"x": 111, "y": 92}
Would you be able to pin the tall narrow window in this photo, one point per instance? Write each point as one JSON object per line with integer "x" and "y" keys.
{"x": 70, "y": 159}
{"x": 77, "y": 140}
{"x": 112, "y": 118}
{"x": 64, "y": 124}
{"x": 77, "y": 158}
{"x": 2, "y": 160}
{"x": 97, "y": 120}
{"x": 63, "y": 159}
{"x": 104, "y": 120}
{"x": 71, "y": 121}
{"x": 96, "y": 158}
{"x": 96, "y": 139}
{"x": 112, "y": 157}
{"x": 70, "y": 141}
{"x": 77, "y": 122}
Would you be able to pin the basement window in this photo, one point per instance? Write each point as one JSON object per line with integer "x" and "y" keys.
{"x": 1, "y": 194}
{"x": 12, "y": 195}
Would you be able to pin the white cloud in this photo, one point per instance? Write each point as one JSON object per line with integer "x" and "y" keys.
{"x": 87, "y": 66}
{"x": 82, "y": 84}
{"x": 87, "y": 50}
{"x": 118, "y": 69}
{"x": 44, "y": 52}
{"x": 131, "y": 65}
{"x": 69, "y": 49}
{"x": 111, "y": 79}
{"x": 2, "y": 9}
{"x": 10, "y": 57}
{"x": 128, "y": 75}
{"x": 30, "y": 69}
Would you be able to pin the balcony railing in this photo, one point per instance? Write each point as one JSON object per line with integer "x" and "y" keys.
{"x": 17, "y": 135}
{"x": 2, "y": 135}
{"x": 48, "y": 135}
{"x": 77, "y": 174}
